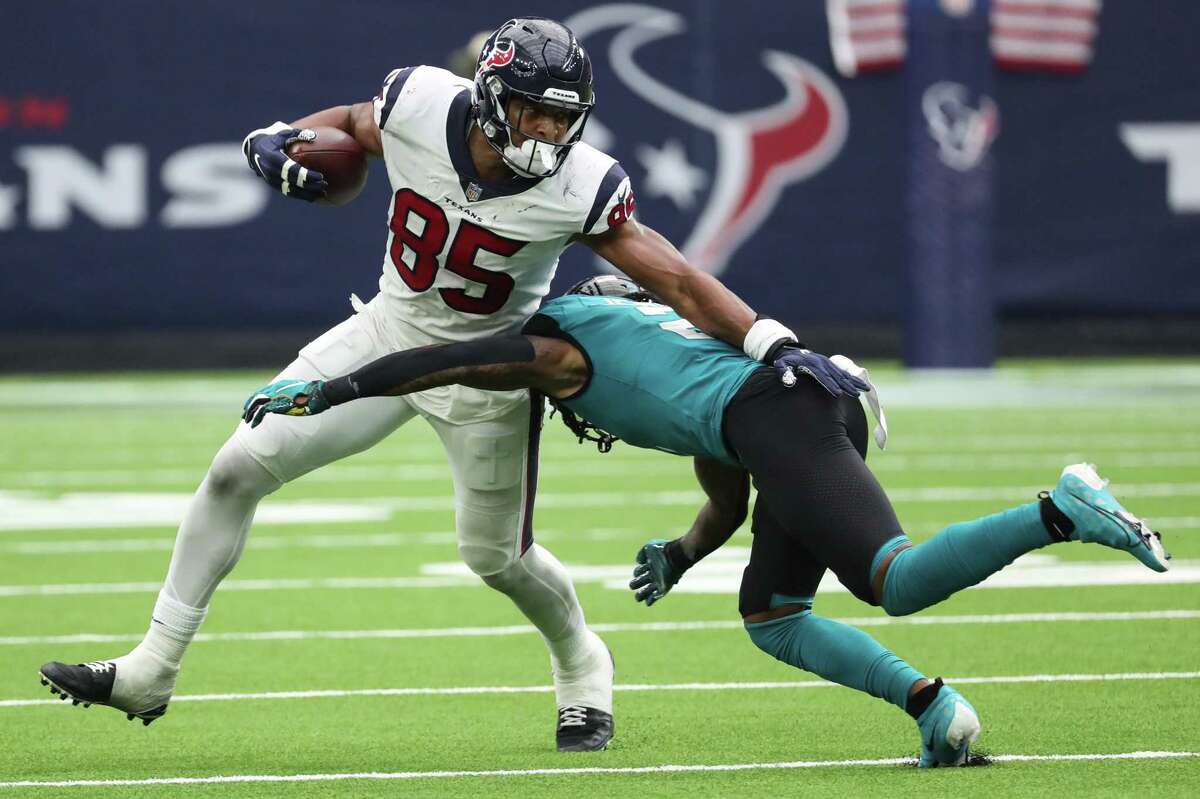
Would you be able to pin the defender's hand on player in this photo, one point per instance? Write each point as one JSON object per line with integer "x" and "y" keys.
{"x": 791, "y": 360}
{"x": 654, "y": 573}
{"x": 266, "y": 152}
{"x": 290, "y": 397}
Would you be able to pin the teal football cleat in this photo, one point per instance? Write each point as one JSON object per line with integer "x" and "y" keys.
{"x": 1084, "y": 497}
{"x": 948, "y": 728}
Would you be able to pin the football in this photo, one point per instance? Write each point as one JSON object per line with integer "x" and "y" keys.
{"x": 337, "y": 156}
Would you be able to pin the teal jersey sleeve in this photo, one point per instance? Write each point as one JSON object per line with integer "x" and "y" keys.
{"x": 657, "y": 381}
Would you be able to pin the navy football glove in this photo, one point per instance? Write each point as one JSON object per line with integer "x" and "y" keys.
{"x": 656, "y": 571}
{"x": 290, "y": 397}
{"x": 266, "y": 152}
{"x": 791, "y": 359}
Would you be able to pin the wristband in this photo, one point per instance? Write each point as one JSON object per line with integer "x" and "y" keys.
{"x": 680, "y": 562}
{"x": 763, "y": 336}
{"x": 339, "y": 390}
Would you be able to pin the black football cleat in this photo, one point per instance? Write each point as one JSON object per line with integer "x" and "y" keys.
{"x": 89, "y": 684}
{"x": 583, "y": 729}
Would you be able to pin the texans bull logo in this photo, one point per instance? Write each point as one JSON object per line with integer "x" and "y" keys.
{"x": 501, "y": 53}
{"x": 758, "y": 153}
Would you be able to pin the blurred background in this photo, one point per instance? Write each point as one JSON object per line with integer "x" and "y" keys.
{"x": 944, "y": 181}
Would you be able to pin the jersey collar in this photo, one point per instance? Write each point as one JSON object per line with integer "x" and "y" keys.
{"x": 474, "y": 187}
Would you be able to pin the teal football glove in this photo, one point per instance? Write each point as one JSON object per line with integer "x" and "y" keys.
{"x": 655, "y": 571}
{"x": 290, "y": 397}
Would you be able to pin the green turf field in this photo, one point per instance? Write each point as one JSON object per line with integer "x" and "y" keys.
{"x": 349, "y": 629}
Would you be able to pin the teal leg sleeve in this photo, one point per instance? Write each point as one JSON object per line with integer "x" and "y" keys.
{"x": 960, "y": 556}
{"x": 838, "y": 652}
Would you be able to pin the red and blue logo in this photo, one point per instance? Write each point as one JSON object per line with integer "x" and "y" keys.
{"x": 758, "y": 153}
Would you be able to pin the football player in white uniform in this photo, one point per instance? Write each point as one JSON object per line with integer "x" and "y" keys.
{"x": 490, "y": 184}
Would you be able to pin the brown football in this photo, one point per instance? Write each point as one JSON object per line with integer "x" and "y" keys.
{"x": 337, "y": 156}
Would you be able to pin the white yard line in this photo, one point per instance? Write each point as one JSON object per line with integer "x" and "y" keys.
{"x": 591, "y": 467}
{"x": 31, "y": 511}
{"x": 337, "y": 583}
{"x": 1166, "y": 524}
{"x": 719, "y": 574}
{"x": 616, "y": 627}
{"x": 495, "y": 690}
{"x": 165, "y": 543}
{"x": 1128, "y": 449}
{"x": 682, "y": 768}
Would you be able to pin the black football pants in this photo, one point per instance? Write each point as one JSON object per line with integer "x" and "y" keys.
{"x": 818, "y": 507}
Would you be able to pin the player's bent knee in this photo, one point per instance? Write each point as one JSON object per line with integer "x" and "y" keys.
{"x": 489, "y": 563}
{"x": 234, "y": 473}
{"x": 898, "y": 597}
{"x": 779, "y": 637}
{"x": 886, "y": 568}
{"x": 489, "y": 529}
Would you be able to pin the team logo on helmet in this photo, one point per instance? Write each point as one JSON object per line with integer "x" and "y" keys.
{"x": 500, "y": 55}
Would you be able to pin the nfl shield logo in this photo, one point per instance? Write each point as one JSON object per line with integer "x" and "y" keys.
{"x": 474, "y": 190}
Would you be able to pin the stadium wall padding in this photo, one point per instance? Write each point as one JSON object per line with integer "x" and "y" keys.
{"x": 125, "y": 205}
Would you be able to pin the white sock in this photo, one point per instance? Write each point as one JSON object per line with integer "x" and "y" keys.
{"x": 146, "y": 676}
{"x": 172, "y": 628}
{"x": 541, "y": 587}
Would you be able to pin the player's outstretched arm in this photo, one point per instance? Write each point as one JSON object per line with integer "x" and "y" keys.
{"x": 499, "y": 363}
{"x": 661, "y": 563}
{"x": 654, "y": 263}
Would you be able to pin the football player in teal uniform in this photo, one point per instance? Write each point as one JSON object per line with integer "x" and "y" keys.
{"x": 621, "y": 366}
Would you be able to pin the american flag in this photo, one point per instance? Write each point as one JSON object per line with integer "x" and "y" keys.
{"x": 1057, "y": 35}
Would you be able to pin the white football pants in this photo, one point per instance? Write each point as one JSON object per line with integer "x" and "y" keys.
{"x": 493, "y": 464}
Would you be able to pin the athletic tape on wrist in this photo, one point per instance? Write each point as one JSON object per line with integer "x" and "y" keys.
{"x": 763, "y": 335}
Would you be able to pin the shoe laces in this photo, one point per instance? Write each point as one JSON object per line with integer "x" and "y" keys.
{"x": 572, "y": 716}
{"x": 101, "y": 666}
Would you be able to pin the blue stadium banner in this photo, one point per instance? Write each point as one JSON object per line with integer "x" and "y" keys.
{"x": 125, "y": 204}
{"x": 952, "y": 117}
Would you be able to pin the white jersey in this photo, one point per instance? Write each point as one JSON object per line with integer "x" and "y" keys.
{"x": 467, "y": 258}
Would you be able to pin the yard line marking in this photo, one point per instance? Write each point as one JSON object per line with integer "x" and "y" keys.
{"x": 590, "y": 467}
{"x": 721, "y": 573}
{"x": 152, "y": 476}
{"x": 337, "y": 583}
{"x": 1166, "y": 524}
{"x": 674, "y": 768}
{"x": 325, "y": 541}
{"x": 1126, "y": 450}
{"x": 31, "y": 511}
{"x": 494, "y": 690}
{"x": 614, "y": 627}
{"x": 166, "y": 544}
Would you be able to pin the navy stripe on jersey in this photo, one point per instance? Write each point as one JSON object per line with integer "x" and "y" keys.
{"x": 393, "y": 92}
{"x": 607, "y": 186}
{"x": 537, "y": 407}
